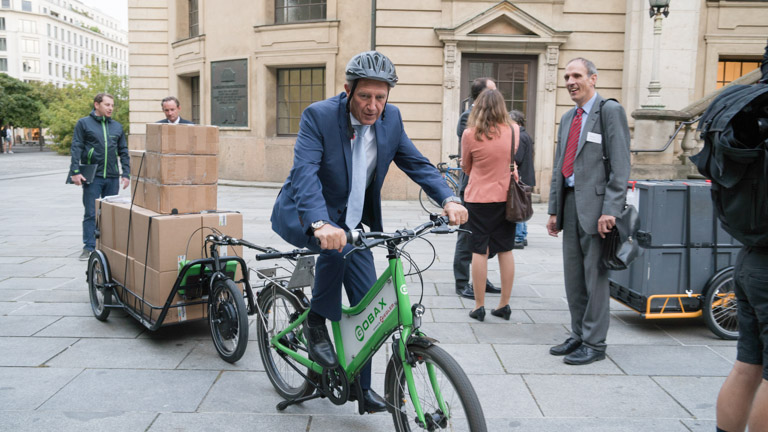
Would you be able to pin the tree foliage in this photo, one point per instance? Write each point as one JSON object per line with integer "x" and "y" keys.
{"x": 20, "y": 105}
{"x": 76, "y": 101}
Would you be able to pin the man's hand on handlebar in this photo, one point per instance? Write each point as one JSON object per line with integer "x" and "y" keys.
{"x": 457, "y": 213}
{"x": 331, "y": 237}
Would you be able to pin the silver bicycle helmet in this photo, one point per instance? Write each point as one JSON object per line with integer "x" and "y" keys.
{"x": 372, "y": 65}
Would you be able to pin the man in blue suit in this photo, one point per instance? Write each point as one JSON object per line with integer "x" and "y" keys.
{"x": 172, "y": 111}
{"x": 342, "y": 154}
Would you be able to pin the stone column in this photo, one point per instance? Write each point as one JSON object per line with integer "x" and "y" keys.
{"x": 451, "y": 98}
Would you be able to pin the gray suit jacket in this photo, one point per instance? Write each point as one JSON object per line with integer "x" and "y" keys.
{"x": 595, "y": 194}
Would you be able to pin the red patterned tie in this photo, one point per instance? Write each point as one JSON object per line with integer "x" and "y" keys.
{"x": 573, "y": 144}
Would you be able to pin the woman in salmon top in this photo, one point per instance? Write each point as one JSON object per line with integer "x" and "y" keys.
{"x": 486, "y": 156}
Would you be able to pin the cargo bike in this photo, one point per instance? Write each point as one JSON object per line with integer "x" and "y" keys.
{"x": 686, "y": 269}
{"x": 209, "y": 285}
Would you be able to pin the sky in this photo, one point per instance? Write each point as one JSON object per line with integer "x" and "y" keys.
{"x": 114, "y": 8}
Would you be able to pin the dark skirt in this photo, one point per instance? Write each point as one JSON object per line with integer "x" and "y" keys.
{"x": 491, "y": 232}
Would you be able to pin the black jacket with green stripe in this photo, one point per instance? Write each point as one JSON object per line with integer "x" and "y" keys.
{"x": 101, "y": 141}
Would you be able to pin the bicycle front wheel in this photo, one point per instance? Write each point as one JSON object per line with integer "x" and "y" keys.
{"x": 460, "y": 411}
{"x": 228, "y": 320}
{"x": 278, "y": 308}
{"x": 431, "y": 206}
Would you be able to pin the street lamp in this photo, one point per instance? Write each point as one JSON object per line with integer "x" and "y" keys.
{"x": 658, "y": 8}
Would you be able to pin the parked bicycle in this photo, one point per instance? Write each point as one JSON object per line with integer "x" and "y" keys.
{"x": 425, "y": 388}
{"x": 452, "y": 177}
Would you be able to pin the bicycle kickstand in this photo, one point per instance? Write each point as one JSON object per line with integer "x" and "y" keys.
{"x": 286, "y": 403}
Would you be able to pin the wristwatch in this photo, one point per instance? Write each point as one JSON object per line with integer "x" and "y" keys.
{"x": 316, "y": 225}
{"x": 451, "y": 199}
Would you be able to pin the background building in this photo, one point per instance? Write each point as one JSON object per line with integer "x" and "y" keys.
{"x": 54, "y": 40}
{"x": 252, "y": 67}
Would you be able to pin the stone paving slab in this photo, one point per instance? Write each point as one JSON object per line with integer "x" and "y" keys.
{"x": 54, "y": 309}
{"x": 175, "y": 422}
{"x": 28, "y": 388}
{"x": 698, "y": 395}
{"x": 535, "y": 359}
{"x": 528, "y": 334}
{"x": 116, "y": 327}
{"x": 669, "y": 360}
{"x": 137, "y": 390}
{"x": 36, "y": 421}
{"x": 52, "y": 295}
{"x": 504, "y": 397}
{"x": 7, "y": 307}
{"x": 31, "y": 351}
{"x": 24, "y": 325}
{"x": 32, "y": 283}
{"x": 123, "y": 354}
{"x": 587, "y": 425}
{"x": 602, "y": 396}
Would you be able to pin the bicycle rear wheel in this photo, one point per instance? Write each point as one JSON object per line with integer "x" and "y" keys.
{"x": 464, "y": 412}
{"x": 431, "y": 206}
{"x": 278, "y": 308}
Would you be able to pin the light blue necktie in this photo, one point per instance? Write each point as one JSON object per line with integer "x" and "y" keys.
{"x": 359, "y": 178}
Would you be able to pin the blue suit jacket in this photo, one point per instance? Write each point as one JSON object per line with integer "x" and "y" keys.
{"x": 318, "y": 185}
{"x": 181, "y": 121}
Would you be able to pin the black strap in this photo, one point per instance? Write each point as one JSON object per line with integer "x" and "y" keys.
{"x": 606, "y": 160}
{"x": 512, "y": 161}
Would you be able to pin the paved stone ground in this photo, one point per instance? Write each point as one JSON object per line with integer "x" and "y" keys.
{"x": 61, "y": 369}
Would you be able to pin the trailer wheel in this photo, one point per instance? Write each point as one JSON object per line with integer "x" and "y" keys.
{"x": 719, "y": 307}
{"x": 98, "y": 277}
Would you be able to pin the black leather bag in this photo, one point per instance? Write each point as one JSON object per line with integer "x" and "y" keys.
{"x": 620, "y": 247}
{"x": 519, "y": 208}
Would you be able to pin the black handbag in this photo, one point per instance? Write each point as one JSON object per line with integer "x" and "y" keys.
{"x": 620, "y": 247}
{"x": 519, "y": 208}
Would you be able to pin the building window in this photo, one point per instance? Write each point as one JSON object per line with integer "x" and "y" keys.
{"x": 26, "y": 5}
{"x": 3, "y": 44}
{"x": 30, "y": 46}
{"x": 50, "y": 68}
{"x": 3, "y": 62}
{"x": 2, "y": 23}
{"x": 194, "y": 26}
{"x": 6, "y": 5}
{"x": 195, "y": 84}
{"x": 28, "y": 26}
{"x": 31, "y": 65}
{"x": 287, "y": 11}
{"x": 296, "y": 89}
{"x": 730, "y": 70}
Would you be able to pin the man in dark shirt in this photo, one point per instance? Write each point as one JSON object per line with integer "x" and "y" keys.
{"x": 524, "y": 162}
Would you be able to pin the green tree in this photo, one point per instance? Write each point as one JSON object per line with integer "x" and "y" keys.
{"x": 76, "y": 101}
{"x": 19, "y": 105}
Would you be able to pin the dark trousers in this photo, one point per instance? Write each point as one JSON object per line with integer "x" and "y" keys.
{"x": 586, "y": 281}
{"x": 357, "y": 273}
{"x": 462, "y": 256}
{"x": 99, "y": 188}
{"x": 751, "y": 289}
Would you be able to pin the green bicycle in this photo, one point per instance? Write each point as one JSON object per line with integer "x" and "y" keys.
{"x": 425, "y": 388}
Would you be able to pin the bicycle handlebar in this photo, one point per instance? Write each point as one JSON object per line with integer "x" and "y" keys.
{"x": 358, "y": 238}
{"x": 277, "y": 254}
{"x": 268, "y": 252}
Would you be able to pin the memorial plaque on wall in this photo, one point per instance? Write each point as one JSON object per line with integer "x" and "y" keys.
{"x": 229, "y": 93}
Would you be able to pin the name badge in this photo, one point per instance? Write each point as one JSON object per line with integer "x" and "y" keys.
{"x": 594, "y": 137}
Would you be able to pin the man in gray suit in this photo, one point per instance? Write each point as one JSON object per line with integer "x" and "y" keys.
{"x": 583, "y": 203}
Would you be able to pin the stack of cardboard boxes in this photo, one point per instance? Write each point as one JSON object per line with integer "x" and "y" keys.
{"x": 173, "y": 187}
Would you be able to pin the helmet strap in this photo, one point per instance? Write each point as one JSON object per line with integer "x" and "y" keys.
{"x": 350, "y": 131}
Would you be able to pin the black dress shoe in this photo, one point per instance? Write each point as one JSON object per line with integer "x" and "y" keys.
{"x": 320, "y": 347}
{"x": 478, "y": 314}
{"x": 491, "y": 288}
{"x": 584, "y": 355}
{"x": 504, "y": 312}
{"x": 565, "y": 348}
{"x": 466, "y": 291}
{"x": 373, "y": 402}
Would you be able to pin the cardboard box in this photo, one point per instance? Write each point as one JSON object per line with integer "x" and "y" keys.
{"x": 105, "y": 224}
{"x": 136, "y": 163}
{"x": 167, "y": 198}
{"x": 117, "y": 263}
{"x": 182, "y": 139}
{"x": 167, "y": 169}
{"x": 226, "y": 223}
{"x": 156, "y": 287}
{"x": 172, "y": 238}
{"x": 120, "y": 224}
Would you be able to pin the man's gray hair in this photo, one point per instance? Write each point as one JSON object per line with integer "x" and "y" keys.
{"x": 591, "y": 68}
{"x": 517, "y": 117}
{"x": 169, "y": 99}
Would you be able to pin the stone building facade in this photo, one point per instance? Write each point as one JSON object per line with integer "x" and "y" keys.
{"x": 251, "y": 67}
